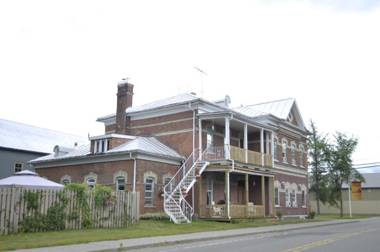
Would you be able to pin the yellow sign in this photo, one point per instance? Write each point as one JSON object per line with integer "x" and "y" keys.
{"x": 356, "y": 190}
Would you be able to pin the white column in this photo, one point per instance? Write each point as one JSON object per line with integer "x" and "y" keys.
{"x": 262, "y": 145}
{"x": 227, "y": 190}
{"x": 200, "y": 138}
{"x": 246, "y": 142}
{"x": 227, "y": 138}
{"x": 272, "y": 147}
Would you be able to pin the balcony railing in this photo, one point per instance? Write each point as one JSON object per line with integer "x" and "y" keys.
{"x": 238, "y": 154}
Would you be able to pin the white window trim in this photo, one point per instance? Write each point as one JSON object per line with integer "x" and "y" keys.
{"x": 293, "y": 153}
{"x": 278, "y": 197}
{"x": 149, "y": 175}
{"x": 93, "y": 176}
{"x": 302, "y": 153}
{"x": 284, "y": 143}
{"x": 275, "y": 148}
{"x": 65, "y": 177}
{"x": 18, "y": 163}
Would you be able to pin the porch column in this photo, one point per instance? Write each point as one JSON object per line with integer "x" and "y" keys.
{"x": 272, "y": 147}
{"x": 227, "y": 191}
{"x": 263, "y": 192}
{"x": 271, "y": 196}
{"x": 246, "y": 142}
{"x": 200, "y": 138}
{"x": 227, "y": 138}
{"x": 246, "y": 189}
{"x": 262, "y": 145}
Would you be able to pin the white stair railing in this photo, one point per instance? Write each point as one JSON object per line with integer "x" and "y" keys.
{"x": 175, "y": 204}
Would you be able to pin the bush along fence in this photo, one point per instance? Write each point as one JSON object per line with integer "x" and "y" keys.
{"x": 75, "y": 207}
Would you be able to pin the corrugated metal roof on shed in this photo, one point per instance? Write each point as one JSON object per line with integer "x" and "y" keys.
{"x": 15, "y": 135}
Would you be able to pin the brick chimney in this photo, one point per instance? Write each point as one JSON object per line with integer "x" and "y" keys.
{"x": 124, "y": 101}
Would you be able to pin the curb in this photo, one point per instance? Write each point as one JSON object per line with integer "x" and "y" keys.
{"x": 190, "y": 240}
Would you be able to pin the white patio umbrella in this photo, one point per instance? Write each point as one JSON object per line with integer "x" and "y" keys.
{"x": 29, "y": 179}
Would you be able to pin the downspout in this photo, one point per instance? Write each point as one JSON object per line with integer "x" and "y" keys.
{"x": 134, "y": 173}
{"x": 192, "y": 188}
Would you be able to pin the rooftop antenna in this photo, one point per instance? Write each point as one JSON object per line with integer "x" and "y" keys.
{"x": 202, "y": 74}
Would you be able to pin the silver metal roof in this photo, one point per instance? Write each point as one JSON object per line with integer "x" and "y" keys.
{"x": 149, "y": 145}
{"x": 372, "y": 180}
{"x": 279, "y": 108}
{"x": 181, "y": 98}
{"x": 15, "y": 135}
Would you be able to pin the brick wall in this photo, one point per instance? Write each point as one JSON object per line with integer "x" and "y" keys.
{"x": 299, "y": 210}
{"x": 105, "y": 175}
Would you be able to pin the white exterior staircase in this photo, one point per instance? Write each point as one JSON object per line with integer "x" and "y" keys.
{"x": 175, "y": 204}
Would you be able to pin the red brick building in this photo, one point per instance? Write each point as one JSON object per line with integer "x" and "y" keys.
{"x": 188, "y": 156}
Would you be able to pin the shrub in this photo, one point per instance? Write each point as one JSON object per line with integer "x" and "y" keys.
{"x": 279, "y": 215}
{"x": 311, "y": 215}
{"x": 154, "y": 216}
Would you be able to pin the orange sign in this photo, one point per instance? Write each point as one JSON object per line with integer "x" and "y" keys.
{"x": 356, "y": 190}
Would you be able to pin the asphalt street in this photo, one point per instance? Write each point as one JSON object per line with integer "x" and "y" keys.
{"x": 360, "y": 236}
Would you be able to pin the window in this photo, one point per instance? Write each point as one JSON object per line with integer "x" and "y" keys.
{"x": 18, "y": 167}
{"x": 284, "y": 147}
{"x": 287, "y": 198}
{"x": 120, "y": 183}
{"x": 65, "y": 180}
{"x": 275, "y": 148}
{"x": 293, "y": 199}
{"x": 101, "y": 145}
{"x": 210, "y": 192}
{"x": 302, "y": 152}
{"x": 276, "y": 196}
{"x": 91, "y": 182}
{"x": 149, "y": 191}
{"x": 293, "y": 149}
{"x": 303, "y": 199}
{"x": 167, "y": 180}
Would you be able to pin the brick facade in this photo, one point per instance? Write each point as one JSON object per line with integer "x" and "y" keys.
{"x": 106, "y": 171}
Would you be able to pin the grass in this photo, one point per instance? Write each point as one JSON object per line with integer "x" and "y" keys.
{"x": 145, "y": 228}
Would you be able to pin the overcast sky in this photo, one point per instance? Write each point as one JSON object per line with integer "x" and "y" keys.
{"x": 60, "y": 61}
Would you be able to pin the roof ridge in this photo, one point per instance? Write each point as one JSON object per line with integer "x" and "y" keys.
{"x": 290, "y": 98}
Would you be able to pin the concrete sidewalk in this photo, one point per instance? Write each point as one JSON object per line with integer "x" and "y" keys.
{"x": 128, "y": 244}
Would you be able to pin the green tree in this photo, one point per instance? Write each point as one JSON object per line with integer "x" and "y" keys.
{"x": 340, "y": 170}
{"x": 317, "y": 145}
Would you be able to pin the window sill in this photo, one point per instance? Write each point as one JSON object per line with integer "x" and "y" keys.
{"x": 149, "y": 206}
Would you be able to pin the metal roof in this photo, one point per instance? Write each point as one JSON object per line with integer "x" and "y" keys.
{"x": 279, "y": 108}
{"x": 372, "y": 180}
{"x": 181, "y": 98}
{"x": 148, "y": 145}
{"x": 15, "y": 135}
{"x": 28, "y": 179}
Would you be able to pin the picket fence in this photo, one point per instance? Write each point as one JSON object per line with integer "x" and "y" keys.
{"x": 120, "y": 212}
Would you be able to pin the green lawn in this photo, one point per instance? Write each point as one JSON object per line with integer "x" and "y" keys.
{"x": 145, "y": 228}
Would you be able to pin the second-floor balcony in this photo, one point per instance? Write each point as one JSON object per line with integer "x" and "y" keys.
{"x": 215, "y": 153}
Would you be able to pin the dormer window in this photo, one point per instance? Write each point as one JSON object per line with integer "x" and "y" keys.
{"x": 101, "y": 145}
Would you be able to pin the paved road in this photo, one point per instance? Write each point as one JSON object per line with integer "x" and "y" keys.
{"x": 361, "y": 236}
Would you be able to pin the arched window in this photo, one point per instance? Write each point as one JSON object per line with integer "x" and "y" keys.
{"x": 91, "y": 180}
{"x": 302, "y": 153}
{"x": 293, "y": 151}
{"x": 120, "y": 180}
{"x": 65, "y": 180}
{"x": 284, "y": 150}
{"x": 166, "y": 179}
{"x": 150, "y": 179}
{"x": 275, "y": 143}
